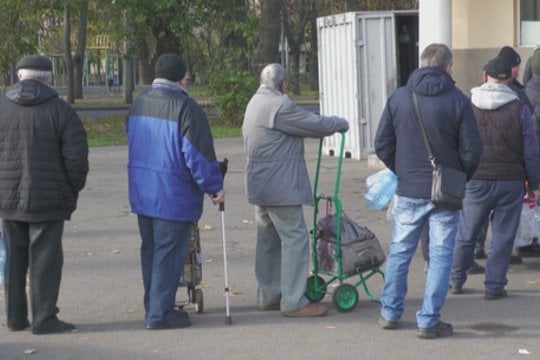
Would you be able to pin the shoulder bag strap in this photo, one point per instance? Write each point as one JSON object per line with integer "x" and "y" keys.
{"x": 423, "y": 129}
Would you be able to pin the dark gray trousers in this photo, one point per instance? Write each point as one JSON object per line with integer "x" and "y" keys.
{"x": 34, "y": 248}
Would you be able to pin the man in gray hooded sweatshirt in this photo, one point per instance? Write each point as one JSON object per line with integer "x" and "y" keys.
{"x": 277, "y": 183}
{"x": 510, "y": 158}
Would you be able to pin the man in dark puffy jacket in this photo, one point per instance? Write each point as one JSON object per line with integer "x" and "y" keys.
{"x": 172, "y": 163}
{"x": 452, "y": 131}
{"x": 43, "y": 167}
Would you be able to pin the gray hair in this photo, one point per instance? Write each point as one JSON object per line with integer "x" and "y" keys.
{"x": 273, "y": 76}
{"x": 437, "y": 55}
{"x": 39, "y": 75}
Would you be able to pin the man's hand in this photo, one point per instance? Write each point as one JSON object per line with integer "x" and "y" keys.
{"x": 218, "y": 197}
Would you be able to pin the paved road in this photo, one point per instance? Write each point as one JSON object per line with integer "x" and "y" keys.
{"x": 102, "y": 290}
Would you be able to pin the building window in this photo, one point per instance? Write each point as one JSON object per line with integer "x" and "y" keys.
{"x": 530, "y": 22}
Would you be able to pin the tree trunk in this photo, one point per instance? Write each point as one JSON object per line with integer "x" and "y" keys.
{"x": 267, "y": 50}
{"x": 128, "y": 65}
{"x": 314, "y": 51}
{"x": 67, "y": 54}
{"x": 80, "y": 52}
{"x": 146, "y": 73}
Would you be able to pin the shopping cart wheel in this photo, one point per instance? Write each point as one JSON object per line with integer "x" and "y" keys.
{"x": 315, "y": 293}
{"x": 199, "y": 302}
{"x": 345, "y": 297}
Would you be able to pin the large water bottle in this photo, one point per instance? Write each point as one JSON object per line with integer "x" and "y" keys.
{"x": 381, "y": 188}
{"x": 3, "y": 257}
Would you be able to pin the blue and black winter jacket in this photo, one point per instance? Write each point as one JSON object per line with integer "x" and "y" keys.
{"x": 172, "y": 161}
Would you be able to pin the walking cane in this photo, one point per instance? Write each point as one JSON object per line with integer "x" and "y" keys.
{"x": 228, "y": 319}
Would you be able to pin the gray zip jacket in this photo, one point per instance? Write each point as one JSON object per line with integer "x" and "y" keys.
{"x": 274, "y": 129}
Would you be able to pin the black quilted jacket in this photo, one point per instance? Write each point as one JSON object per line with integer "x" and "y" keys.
{"x": 43, "y": 154}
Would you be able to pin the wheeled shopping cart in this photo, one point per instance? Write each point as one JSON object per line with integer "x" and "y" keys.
{"x": 369, "y": 256}
{"x": 192, "y": 276}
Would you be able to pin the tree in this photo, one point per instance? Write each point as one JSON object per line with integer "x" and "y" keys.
{"x": 81, "y": 49}
{"x": 296, "y": 14}
{"x": 269, "y": 33}
{"x": 67, "y": 53}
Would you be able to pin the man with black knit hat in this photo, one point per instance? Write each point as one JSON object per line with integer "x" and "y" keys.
{"x": 43, "y": 167}
{"x": 496, "y": 189}
{"x": 172, "y": 164}
{"x": 511, "y": 57}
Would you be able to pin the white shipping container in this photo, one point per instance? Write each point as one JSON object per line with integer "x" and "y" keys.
{"x": 357, "y": 73}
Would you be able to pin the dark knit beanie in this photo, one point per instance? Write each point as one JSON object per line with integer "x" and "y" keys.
{"x": 34, "y": 62}
{"x": 510, "y": 56}
{"x": 171, "y": 67}
{"x": 535, "y": 63}
{"x": 498, "y": 68}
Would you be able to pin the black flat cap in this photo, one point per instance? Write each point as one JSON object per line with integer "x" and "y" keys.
{"x": 35, "y": 62}
{"x": 498, "y": 68}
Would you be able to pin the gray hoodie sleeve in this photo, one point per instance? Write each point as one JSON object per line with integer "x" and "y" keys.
{"x": 297, "y": 121}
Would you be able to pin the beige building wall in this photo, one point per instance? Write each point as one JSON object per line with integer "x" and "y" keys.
{"x": 479, "y": 29}
{"x": 483, "y": 24}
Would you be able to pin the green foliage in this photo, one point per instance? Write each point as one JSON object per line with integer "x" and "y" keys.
{"x": 230, "y": 93}
{"x": 110, "y": 131}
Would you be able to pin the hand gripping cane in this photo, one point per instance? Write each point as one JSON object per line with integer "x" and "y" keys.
{"x": 228, "y": 320}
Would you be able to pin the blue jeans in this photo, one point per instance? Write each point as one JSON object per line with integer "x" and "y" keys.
{"x": 164, "y": 248}
{"x": 410, "y": 217}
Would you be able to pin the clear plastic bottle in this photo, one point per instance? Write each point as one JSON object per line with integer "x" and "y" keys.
{"x": 3, "y": 257}
{"x": 381, "y": 188}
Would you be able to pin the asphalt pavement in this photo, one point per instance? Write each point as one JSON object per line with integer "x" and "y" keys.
{"x": 102, "y": 289}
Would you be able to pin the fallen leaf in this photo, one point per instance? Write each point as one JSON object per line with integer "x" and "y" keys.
{"x": 114, "y": 252}
{"x": 30, "y": 351}
{"x": 534, "y": 282}
{"x": 207, "y": 227}
{"x": 247, "y": 221}
{"x": 203, "y": 285}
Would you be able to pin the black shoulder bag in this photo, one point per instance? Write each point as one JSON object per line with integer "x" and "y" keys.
{"x": 448, "y": 184}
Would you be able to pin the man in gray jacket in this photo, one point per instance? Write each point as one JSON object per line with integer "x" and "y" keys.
{"x": 277, "y": 183}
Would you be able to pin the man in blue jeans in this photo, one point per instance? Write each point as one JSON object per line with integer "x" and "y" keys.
{"x": 172, "y": 164}
{"x": 452, "y": 131}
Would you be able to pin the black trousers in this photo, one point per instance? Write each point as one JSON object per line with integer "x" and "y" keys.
{"x": 34, "y": 249}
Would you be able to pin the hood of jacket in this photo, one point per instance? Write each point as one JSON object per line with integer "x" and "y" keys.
{"x": 490, "y": 96}
{"x": 430, "y": 81}
{"x": 30, "y": 92}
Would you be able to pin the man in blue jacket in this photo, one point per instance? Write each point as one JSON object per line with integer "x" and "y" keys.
{"x": 172, "y": 164}
{"x": 452, "y": 131}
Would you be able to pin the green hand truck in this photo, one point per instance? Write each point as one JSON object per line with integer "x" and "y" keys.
{"x": 345, "y": 295}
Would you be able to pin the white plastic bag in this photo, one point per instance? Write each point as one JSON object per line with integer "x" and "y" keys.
{"x": 529, "y": 223}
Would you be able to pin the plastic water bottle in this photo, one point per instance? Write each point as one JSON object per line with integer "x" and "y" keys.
{"x": 381, "y": 188}
{"x": 3, "y": 257}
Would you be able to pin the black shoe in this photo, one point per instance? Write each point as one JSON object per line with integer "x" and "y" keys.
{"x": 532, "y": 250}
{"x": 456, "y": 290}
{"x": 497, "y": 295}
{"x": 176, "y": 323}
{"x": 475, "y": 269}
{"x": 181, "y": 313}
{"x": 515, "y": 260}
{"x": 387, "y": 324}
{"x": 19, "y": 327}
{"x": 54, "y": 326}
{"x": 442, "y": 329}
{"x": 479, "y": 253}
